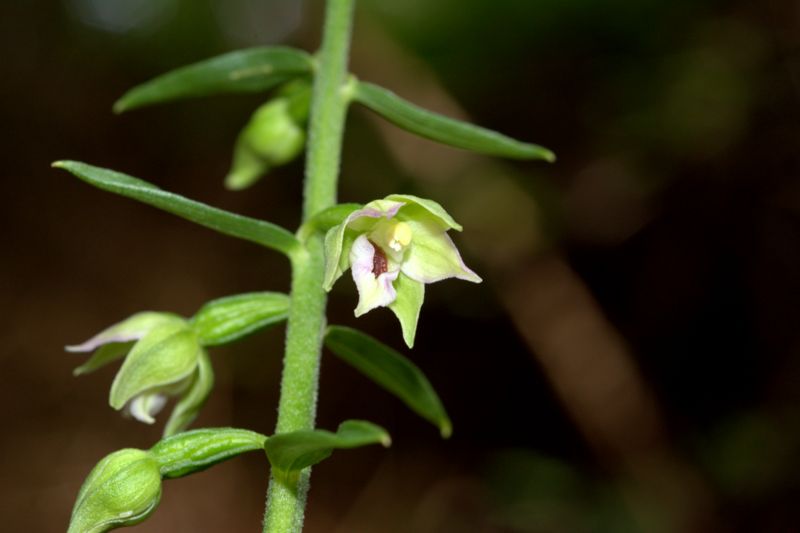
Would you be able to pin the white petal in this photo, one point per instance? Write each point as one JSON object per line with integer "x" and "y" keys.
{"x": 372, "y": 291}
{"x": 145, "y": 406}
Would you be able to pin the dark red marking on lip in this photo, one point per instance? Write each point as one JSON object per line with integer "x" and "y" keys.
{"x": 379, "y": 262}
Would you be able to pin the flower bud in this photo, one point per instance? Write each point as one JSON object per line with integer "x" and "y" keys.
{"x": 274, "y": 136}
{"x": 123, "y": 489}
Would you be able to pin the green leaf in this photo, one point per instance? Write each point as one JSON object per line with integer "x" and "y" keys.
{"x": 444, "y": 129}
{"x": 391, "y": 371}
{"x": 243, "y": 71}
{"x": 227, "y": 319}
{"x": 249, "y": 229}
{"x": 291, "y": 452}
{"x": 196, "y": 450}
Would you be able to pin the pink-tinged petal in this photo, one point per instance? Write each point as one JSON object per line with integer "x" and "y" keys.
{"x": 373, "y": 291}
{"x": 131, "y": 329}
{"x": 432, "y": 257}
{"x": 336, "y": 242}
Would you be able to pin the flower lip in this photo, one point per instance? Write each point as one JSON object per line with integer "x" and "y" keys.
{"x": 379, "y": 262}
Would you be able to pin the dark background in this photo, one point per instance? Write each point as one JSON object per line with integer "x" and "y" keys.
{"x": 630, "y": 363}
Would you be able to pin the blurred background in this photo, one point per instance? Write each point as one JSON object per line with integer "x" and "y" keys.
{"x": 630, "y": 363}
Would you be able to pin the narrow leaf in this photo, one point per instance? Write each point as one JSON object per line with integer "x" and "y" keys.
{"x": 291, "y": 452}
{"x": 249, "y": 229}
{"x": 443, "y": 129}
{"x": 196, "y": 450}
{"x": 391, "y": 371}
{"x": 243, "y": 71}
{"x": 227, "y": 319}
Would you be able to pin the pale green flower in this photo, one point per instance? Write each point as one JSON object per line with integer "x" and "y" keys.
{"x": 394, "y": 247}
{"x": 163, "y": 358}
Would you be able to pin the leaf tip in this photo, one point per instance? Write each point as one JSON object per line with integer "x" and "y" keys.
{"x": 446, "y": 428}
{"x": 549, "y": 156}
{"x": 60, "y": 164}
{"x": 120, "y": 106}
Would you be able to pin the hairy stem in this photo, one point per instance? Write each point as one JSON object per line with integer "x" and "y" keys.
{"x": 297, "y": 408}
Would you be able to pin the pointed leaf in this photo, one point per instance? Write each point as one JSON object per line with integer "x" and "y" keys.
{"x": 227, "y": 319}
{"x": 391, "y": 371}
{"x": 444, "y": 129}
{"x": 251, "y": 70}
{"x": 196, "y": 450}
{"x": 189, "y": 405}
{"x": 238, "y": 226}
{"x": 291, "y": 452}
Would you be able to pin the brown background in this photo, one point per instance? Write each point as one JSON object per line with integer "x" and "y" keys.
{"x": 629, "y": 364}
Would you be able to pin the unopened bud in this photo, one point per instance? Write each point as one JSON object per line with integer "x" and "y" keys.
{"x": 122, "y": 490}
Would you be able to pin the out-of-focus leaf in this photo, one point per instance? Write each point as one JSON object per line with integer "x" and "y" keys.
{"x": 291, "y": 452}
{"x": 243, "y": 71}
{"x": 443, "y": 129}
{"x": 391, "y": 371}
{"x": 196, "y": 450}
{"x": 249, "y": 229}
{"x": 227, "y": 319}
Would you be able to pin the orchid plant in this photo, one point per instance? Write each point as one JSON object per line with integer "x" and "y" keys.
{"x": 393, "y": 247}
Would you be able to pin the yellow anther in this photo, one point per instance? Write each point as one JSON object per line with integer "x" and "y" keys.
{"x": 400, "y": 236}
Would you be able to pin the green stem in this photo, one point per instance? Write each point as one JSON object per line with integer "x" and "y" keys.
{"x": 297, "y": 408}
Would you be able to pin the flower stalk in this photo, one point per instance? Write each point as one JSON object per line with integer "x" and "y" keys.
{"x": 297, "y": 408}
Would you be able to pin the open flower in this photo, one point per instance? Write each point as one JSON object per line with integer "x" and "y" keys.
{"x": 163, "y": 358}
{"x": 394, "y": 247}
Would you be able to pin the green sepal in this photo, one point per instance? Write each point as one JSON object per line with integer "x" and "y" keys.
{"x": 228, "y": 319}
{"x": 407, "y": 305}
{"x": 193, "y": 451}
{"x": 192, "y": 401}
{"x": 443, "y": 129}
{"x": 123, "y": 489}
{"x": 249, "y": 229}
{"x": 242, "y": 71}
{"x": 390, "y": 370}
{"x": 102, "y": 356}
{"x": 115, "y": 341}
{"x": 417, "y": 208}
{"x": 292, "y": 452}
{"x": 337, "y": 239}
{"x": 165, "y": 356}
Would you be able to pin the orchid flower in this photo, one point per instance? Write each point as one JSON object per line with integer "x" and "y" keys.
{"x": 394, "y": 247}
{"x": 163, "y": 358}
